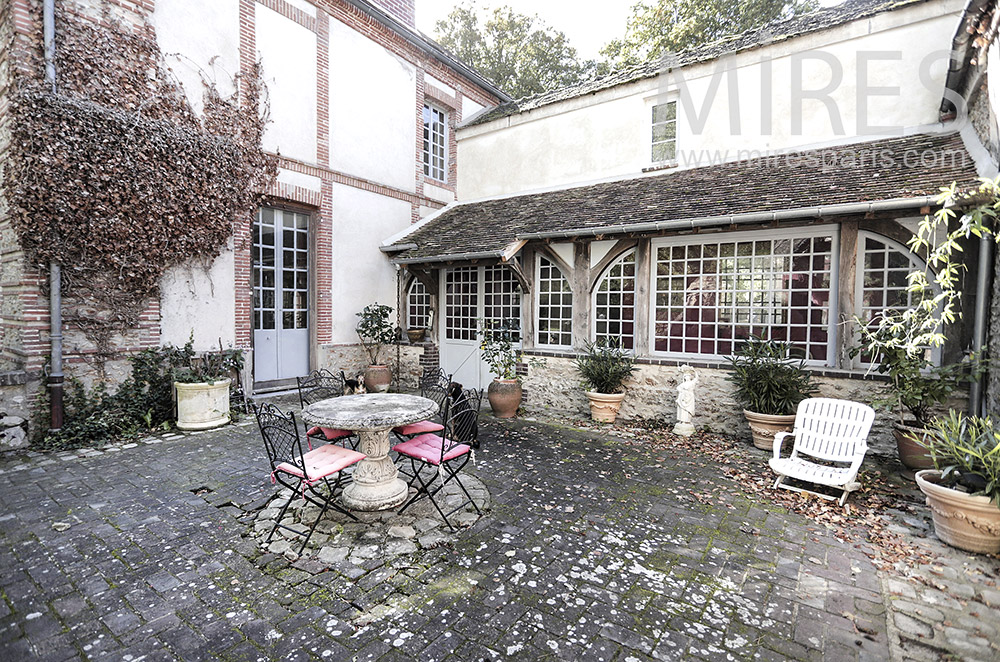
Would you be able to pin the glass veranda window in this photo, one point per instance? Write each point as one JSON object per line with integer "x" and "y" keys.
{"x": 555, "y": 306}
{"x": 614, "y": 303}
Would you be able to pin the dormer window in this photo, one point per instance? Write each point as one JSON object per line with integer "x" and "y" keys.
{"x": 665, "y": 132}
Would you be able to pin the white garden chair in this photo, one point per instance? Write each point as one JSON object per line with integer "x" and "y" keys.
{"x": 830, "y": 442}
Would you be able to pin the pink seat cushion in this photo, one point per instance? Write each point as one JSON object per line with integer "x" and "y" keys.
{"x": 322, "y": 462}
{"x": 329, "y": 433}
{"x": 418, "y": 428}
{"x": 427, "y": 447}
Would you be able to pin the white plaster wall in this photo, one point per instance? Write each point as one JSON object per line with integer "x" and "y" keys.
{"x": 304, "y": 5}
{"x": 608, "y": 134}
{"x": 200, "y": 39}
{"x": 373, "y": 121}
{"x": 199, "y": 297}
{"x": 361, "y": 274}
{"x": 438, "y": 193}
{"x": 288, "y": 53}
{"x": 293, "y": 178}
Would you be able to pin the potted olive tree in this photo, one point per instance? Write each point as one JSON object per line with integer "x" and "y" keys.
{"x": 497, "y": 346}
{"x": 604, "y": 367}
{"x": 963, "y": 490}
{"x": 201, "y": 385}
{"x": 376, "y": 333}
{"x": 769, "y": 386}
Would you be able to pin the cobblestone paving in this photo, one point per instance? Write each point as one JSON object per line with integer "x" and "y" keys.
{"x": 591, "y": 550}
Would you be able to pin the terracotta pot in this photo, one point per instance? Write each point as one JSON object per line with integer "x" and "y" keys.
{"x": 416, "y": 335}
{"x": 505, "y": 397}
{"x": 203, "y": 405}
{"x": 763, "y": 427}
{"x": 913, "y": 456}
{"x": 967, "y": 522}
{"x": 377, "y": 378}
{"x": 604, "y": 406}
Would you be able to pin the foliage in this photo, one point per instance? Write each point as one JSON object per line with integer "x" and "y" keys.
{"x": 605, "y": 366}
{"x": 658, "y": 27}
{"x": 521, "y": 54}
{"x": 498, "y": 349}
{"x": 117, "y": 178}
{"x": 967, "y": 451}
{"x": 899, "y": 340}
{"x": 767, "y": 380}
{"x": 375, "y": 330}
{"x": 210, "y": 367}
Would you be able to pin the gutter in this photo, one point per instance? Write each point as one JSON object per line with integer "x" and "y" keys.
{"x": 55, "y": 269}
{"x": 449, "y": 258}
{"x": 825, "y": 211}
{"x": 429, "y": 47}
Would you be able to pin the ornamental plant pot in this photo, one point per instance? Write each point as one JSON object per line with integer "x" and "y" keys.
{"x": 416, "y": 335}
{"x": 377, "y": 378}
{"x": 967, "y": 522}
{"x": 763, "y": 427}
{"x": 202, "y": 405}
{"x": 505, "y": 397}
{"x": 911, "y": 453}
{"x": 604, "y": 406}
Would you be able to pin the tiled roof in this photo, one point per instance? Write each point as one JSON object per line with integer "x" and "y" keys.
{"x": 775, "y": 31}
{"x": 891, "y": 169}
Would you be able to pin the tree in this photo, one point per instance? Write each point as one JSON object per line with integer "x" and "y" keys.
{"x": 665, "y": 26}
{"x": 520, "y": 54}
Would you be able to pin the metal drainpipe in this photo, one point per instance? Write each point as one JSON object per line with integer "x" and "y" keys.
{"x": 55, "y": 270}
{"x": 976, "y": 400}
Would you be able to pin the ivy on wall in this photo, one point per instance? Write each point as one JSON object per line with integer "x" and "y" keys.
{"x": 117, "y": 179}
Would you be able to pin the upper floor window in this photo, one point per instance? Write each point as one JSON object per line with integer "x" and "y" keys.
{"x": 665, "y": 132}
{"x": 435, "y": 143}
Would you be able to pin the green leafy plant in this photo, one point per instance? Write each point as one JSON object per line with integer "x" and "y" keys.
{"x": 208, "y": 368}
{"x": 767, "y": 380}
{"x": 497, "y": 345}
{"x": 375, "y": 331}
{"x": 967, "y": 452}
{"x": 605, "y": 366}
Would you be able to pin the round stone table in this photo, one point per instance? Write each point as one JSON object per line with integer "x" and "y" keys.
{"x": 376, "y": 485}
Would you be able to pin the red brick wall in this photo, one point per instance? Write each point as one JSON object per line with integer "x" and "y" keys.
{"x": 400, "y": 9}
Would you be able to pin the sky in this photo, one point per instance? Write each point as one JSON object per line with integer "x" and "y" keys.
{"x": 589, "y": 24}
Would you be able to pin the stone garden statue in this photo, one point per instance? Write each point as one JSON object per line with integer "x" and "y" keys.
{"x": 685, "y": 401}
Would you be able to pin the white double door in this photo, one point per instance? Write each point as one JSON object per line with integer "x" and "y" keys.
{"x": 469, "y": 296}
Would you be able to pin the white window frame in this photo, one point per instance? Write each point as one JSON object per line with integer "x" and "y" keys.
{"x": 538, "y": 303}
{"x": 916, "y": 263}
{"x": 652, "y": 130}
{"x": 429, "y": 168}
{"x": 635, "y": 295}
{"x": 468, "y": 331}
{"x": 498, "y": 274}
{"x": 418, "y": 308}
{"x": 832, "y": 231}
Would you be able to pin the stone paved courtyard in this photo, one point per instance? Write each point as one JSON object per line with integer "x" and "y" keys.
{"x": 591, "y": 549}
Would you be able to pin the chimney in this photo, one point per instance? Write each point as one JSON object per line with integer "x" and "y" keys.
{"x": 402, "y": 10}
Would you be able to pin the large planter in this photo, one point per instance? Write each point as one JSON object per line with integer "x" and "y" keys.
{"x": 913, "y": 456}
{"x": 203, "y": 405}
{"x": 505, "y": 397}
{"x": 377, "y": 378}
{"x": 604, "y": 406}
{"x": 967, "y": 522}
{"x": 763, "y": 427}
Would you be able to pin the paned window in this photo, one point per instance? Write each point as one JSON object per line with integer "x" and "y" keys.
{"x": 461, "y": 300}
{"x": 665, "y": 132}
{"x": 502, "y": 299}
{"x": 281, "y": 270}
{"x": 882, "y": 279}
{"x": 711, "y": 295}
{"x": 418, "y": 306}
{"x": 435, "y": 143}
{"x": 614, "y": 303}
{"x": 555, "y": 306}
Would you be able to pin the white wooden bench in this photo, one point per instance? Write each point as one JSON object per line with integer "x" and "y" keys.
{"x": 830, "y": 442}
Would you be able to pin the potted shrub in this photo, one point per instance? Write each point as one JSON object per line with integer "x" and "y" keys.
{"x": 769, "y": 386}
{"x": 376, "y": 333}
{"x": 963, "y": 491}
{"x": 497, "y": 345}
{"x": 604, "y": 367}
{"x": 201, "y": 386}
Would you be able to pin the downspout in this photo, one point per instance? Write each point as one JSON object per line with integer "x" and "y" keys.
{"x": 976, "y": 400}
{"x": 55, "y": 270}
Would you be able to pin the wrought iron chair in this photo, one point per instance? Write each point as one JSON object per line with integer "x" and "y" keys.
{"x": 434, "y": 377}
{"x": 830, "y": 442}
{"x": 446, "y": 453}
{"x": 435, "y": 389}
{"x": 302, "y": 473}
{"x": 321, "y": 385}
